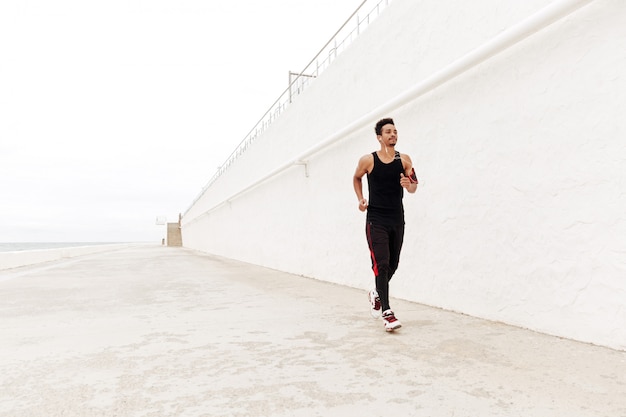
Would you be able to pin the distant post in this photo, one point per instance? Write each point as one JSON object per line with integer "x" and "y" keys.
{"x": 161, "y": 221}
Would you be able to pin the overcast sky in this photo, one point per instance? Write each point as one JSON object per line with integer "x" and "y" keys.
{"x": 115, "y": 112}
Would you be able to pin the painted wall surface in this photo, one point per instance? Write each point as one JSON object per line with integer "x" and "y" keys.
{"x": 520, "y": 215}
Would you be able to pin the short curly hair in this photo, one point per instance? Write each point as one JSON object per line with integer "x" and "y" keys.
{"x": 379, "y": 125}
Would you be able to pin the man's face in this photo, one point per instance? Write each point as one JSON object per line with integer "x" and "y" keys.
{"x": 389, "y": 135}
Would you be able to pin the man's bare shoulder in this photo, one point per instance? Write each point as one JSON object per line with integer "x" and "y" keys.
{"x": 406, "y": 160}
{"x": 367, "y": 161}
{"x": 366, "y": 158}
{"x": 366, "y": 164}
{"x": 405, "y": 156}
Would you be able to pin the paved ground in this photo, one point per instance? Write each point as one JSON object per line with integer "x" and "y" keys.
{"x": 157, "y": 331}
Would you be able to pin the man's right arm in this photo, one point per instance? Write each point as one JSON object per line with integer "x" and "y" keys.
{"x": 357, "y": 180}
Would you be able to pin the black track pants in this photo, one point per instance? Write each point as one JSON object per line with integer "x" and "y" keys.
{"x": 385, "y": 243}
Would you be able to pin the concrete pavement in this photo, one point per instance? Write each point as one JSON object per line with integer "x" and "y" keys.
{"x": 161, "y": 331}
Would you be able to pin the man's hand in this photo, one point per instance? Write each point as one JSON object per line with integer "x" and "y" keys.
{"x": 410, "y": 183}
{"x": 363, "y": 204}
{"x": 405, "y": 181}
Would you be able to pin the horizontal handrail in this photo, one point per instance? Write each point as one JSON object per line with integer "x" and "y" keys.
{"x": 296, "y": 86}
{"x": 532, "y": 24}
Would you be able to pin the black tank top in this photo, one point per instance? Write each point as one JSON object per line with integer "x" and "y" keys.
{"x": 385, "y": 192}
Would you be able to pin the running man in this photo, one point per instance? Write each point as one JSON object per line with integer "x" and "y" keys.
{"x": 388, "y": 173}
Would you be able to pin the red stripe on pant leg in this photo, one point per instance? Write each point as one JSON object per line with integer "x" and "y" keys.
{"x": 369, "y": 242}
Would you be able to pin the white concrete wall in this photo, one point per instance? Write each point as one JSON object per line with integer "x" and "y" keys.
{"x": 520, "y": 216}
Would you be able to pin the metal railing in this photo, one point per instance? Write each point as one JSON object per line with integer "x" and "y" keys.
{"x": 298, "y": 82}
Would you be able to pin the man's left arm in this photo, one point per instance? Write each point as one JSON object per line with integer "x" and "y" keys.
{"x": 409, "y": 179}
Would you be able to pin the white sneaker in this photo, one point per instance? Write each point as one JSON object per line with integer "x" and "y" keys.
{"x": 374, "y": 303}
{"x": 390, "y": 321}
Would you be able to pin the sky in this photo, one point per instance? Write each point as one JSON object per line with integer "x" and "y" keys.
{"x": 115, "y": 112}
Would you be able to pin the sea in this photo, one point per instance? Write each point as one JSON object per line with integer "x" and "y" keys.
{"x": 23, "y": 246}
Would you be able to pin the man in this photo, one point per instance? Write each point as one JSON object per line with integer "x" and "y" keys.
{"x": 389, "y": 173}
